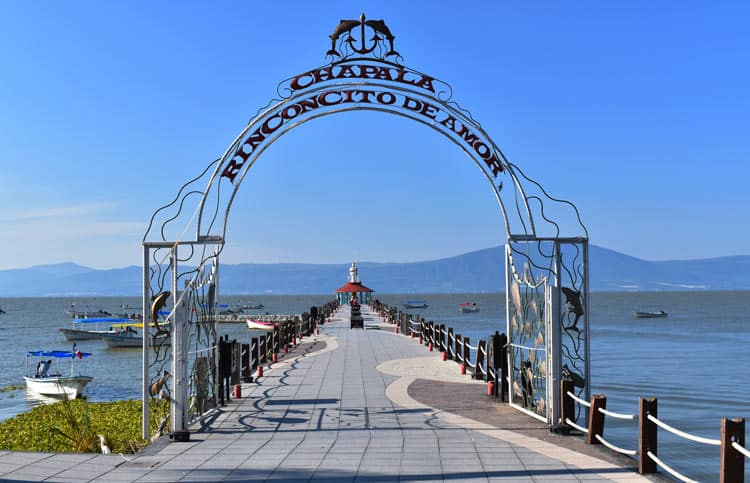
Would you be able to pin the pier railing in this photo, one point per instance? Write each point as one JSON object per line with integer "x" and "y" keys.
{"x": 489, "y": 362}
{"x": 242, "y": 361}
{"x": 731, "y": 441}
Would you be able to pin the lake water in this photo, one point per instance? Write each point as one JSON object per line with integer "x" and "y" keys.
{"x": 696, "y": 361}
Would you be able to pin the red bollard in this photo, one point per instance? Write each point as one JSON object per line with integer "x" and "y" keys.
{"x": 260, "y": 371}
{"x": 396, "y": 327}
{"x": 275, "y": 357}
{"x": 317, "y": 331}
{"x": 490, "y": 388}
{"x": 237, "y": 393}
{"x": 462, "y": 369}
{"x": 294, "y": 341}
{"x": 286, "y": 349}
{"x": 420, "y": 339}
{"x": 429, "y": 347}
{"x": 445, "y": 356}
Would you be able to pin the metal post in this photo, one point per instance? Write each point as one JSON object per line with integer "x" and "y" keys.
{"x": 145, "y": 393}
{"x": 587, "y": 365}
{"x": 508, "y": 366}
{"x": 554, "y": 342}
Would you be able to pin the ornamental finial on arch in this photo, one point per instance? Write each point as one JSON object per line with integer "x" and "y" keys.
{"x": 358, "y": 43}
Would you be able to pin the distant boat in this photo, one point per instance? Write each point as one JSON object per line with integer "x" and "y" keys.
{"x": 54, "y": 384}
{"x": 467, "y": 307}
{"x": 84, "y": 312}
{"x": 82, "y": 330}
{"x": 252, "y": 307}
{"x": 650, "y": 314}
{"x": 415, "y": 304}
{"x": 259, "y": 325}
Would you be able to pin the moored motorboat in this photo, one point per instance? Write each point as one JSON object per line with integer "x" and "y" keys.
{"x": 259, "y": 325}
{"x": 252, "y": 307}
{"x": 81, "y": 329}
{"x": 415, "y": 304}
{"x": 468, "y": 307}
{"x": 47, "y": 382}
{"x": 134, "y": 339}
{"x": 76, "y": 312}
{"x": 650, "y": 314}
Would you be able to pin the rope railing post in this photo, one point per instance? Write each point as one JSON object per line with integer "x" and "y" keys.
{"x": 448, "y": 343}
{"x": 568, "y": 404}
{"x": 647, "y": 435}
{"x": 254, "y": 360}
{"x": 504, "y": 367}
{"x": 479, "y": 371}
{"x": 458, "y": 348}
{"x": 732, "y": 467}
{"x": 467, "y": 353}
{"x": 596, "y": 418}
{"x": 246, "y": 376}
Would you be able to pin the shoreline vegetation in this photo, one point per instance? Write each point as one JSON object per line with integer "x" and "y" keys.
{"x": 74, "y": 426}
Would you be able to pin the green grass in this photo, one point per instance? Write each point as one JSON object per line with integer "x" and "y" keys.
{"x": 75, "y": 426}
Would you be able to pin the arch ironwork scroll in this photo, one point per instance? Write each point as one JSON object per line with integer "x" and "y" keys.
{"x": 365, "y": 73}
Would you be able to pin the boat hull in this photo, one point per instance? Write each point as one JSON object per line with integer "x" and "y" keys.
{"x": 75, "y": 334}
{"x": 650, "y": 315}
{"x": 120, "y": 341}
{"x": 260, "y": 325}
{"x": 467, "y": 310}
{"x": 61, "y": 386}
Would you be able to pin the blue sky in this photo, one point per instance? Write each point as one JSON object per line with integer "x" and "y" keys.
{"x": 636, "y": 111}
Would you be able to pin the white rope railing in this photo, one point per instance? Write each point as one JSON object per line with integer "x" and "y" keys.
{"x": 697, "y": 439}
{"x": 472, "y": 347}
{"x": 483, "y": 350}
{"x": 491, "y": 372}
{"x": 578, "y": 399}
{"x": 629, "y": 452}
{"x": 612, "y": 414}
{"x": 538, "y": 349}
{"x": 198, "y": 351}
{"x": 670, "y": 470}
{"x": 579, "y": 428}
{"x": 741, "y": 449}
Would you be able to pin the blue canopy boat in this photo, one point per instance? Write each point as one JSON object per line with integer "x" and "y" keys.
{"x": 48, "y": 383}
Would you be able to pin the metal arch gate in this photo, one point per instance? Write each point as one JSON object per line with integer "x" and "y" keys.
{"x": 547, "y": 303}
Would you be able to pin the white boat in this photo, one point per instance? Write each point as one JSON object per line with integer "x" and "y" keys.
{"x": 133, "y": 339}
{"x": 259, "y": 325}
{"x": 468, "y": 307}
{"x": 415, "y": 304}
{"x": 81, "y": 329}
{"x": 47, "y": 382}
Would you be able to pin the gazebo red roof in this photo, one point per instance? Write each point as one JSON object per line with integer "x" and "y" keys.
{"x": 353, "y": 287}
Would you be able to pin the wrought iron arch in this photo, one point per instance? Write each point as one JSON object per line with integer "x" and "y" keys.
{"x": 540, "y": 261}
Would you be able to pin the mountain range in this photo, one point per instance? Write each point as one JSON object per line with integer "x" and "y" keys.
{"x": 474, "y": 272}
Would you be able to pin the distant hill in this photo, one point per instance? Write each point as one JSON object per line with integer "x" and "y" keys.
{"x": 478, "y": 271}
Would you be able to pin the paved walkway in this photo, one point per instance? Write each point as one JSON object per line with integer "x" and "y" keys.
{"x": 337, "y": 409}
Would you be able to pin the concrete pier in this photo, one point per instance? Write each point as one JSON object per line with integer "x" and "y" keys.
{"x": 348, "y": 405}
